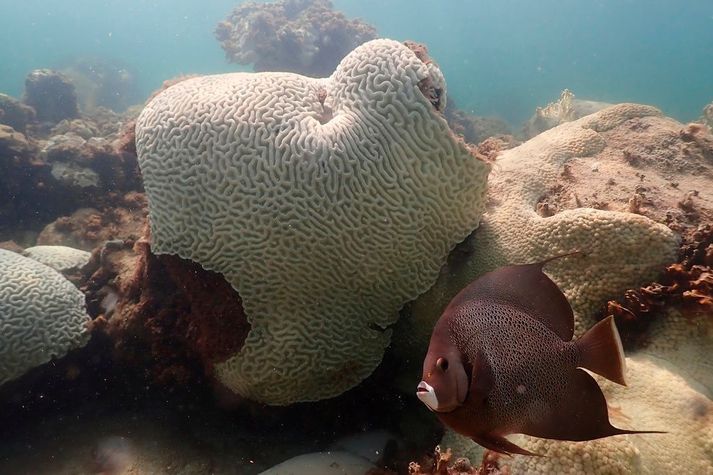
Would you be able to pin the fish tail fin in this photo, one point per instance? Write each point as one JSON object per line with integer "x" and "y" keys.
{"x": 634, "y": 432}
{"x": 600, "y": 351}
{"x": 574, "y": 252}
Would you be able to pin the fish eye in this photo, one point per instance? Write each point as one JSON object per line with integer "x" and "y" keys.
{"x": 442, "y": 364}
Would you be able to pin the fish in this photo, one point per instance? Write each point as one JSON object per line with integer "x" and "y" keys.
{"x": 502, "y": 360}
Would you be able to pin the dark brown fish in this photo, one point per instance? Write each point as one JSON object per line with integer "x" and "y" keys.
{"x": 502, "y": 361}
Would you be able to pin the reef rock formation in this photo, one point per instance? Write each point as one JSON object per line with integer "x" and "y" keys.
{"x": 565, "y": 109}
{"x": 327, "y": 203}
{"x": 52, "y": 95}
{"x": 88, "y": 228}
{"x": 42, "y": 315}
{"x": 14, "y": 113}
{"x": 53, "y": 172}
{"x": 300, "y": 36}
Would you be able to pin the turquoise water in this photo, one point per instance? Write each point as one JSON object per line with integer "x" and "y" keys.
{"x": 500, "y": 57}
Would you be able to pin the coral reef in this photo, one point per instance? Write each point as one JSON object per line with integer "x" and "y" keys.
{"x": 59, "y": 258}
{"x": 565, "y": 109}
{"x": 42, "y": 315}
{"x": 51, "y": 95}
{"x": 14, "y": 113}
{"x": 348, "y": 172}
{"x": 580, "y": 162}
{"x": 88, "y": 228}
{"x": 49, "y": 173}
{"x": 300, "y": 36}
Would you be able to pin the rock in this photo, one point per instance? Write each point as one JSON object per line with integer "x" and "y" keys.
{"x": 12, "y": 144}
{"x": 14, "y": 113}
{"x": 322, "y": 463}
{"x": 300, "y": 36}
{"x": 52, "y": 95}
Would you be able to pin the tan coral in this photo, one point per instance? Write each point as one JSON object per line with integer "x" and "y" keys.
{"x": 620, "y": 250}
{"x": 327, "y": 203}
{"x": 686, "y": 342}
{"x": 656, "y": 399}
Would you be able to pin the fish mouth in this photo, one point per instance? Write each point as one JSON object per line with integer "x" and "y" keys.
{"x": 427, "y": 395}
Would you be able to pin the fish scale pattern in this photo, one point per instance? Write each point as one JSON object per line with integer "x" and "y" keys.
{"x": 522, "y": 353}
{"x": 327, "y": 203}
{"x": 42, "y": 315}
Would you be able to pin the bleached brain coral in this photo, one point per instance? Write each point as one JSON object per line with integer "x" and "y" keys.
{"x": 327, "y": 203}
{"x": 60, "y": 258}
{"x": 42, "y": 315}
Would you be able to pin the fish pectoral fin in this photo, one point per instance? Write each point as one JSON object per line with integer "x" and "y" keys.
{"x": 579, "y": 413}
{"x": 501, "y": 445}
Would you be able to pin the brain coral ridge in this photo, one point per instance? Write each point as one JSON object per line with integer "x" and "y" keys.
{"x": 60, "y": 258}
{"x": 42, "y": 315}
{"x": 327, "y": 203}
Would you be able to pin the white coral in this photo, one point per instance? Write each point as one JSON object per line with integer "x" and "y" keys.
{"x": 60, "y": 258}
{"x": 327, "y": 203}
{"x": 42, "y": 315}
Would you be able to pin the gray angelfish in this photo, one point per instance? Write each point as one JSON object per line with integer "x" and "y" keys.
{"x": 502, "y": 361}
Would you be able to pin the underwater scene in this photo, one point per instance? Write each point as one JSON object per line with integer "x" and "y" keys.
{"x": 374, "y": 237}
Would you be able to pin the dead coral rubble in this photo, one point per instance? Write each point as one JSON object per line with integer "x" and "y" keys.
{"x": 163, "y": 313}
{"x": 301, "y": 36}
{"x": 442, "y": 463}
{"x": 50, "y": 172}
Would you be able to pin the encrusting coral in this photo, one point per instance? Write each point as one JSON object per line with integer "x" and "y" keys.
{"x": 327, "y": 203}
{"x": 42, "y": 315}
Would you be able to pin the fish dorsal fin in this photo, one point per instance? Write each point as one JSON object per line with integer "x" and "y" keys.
{"x": 527, "y": 288}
